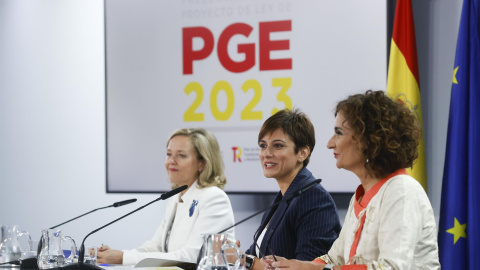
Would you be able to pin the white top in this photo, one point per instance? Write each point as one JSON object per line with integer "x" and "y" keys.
{"x": 212, "y": 214}
{"x": 399, "y": 230}
{"x": 260, "y": 240}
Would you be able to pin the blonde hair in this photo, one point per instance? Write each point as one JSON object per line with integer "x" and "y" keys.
{"x": 207, "y": 149}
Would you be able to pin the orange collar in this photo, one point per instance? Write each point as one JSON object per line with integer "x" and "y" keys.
{"x": 367, "y": 196}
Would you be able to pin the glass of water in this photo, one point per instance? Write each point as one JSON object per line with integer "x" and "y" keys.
{"x": 90, "y": 256}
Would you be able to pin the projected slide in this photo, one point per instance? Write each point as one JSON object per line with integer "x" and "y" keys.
{"x": 227, "y": 66}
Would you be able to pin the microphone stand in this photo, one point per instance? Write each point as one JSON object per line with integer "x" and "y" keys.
{"x": 296, "y": 193}
{"x": 31, "y": 263}
{"x": 81, "y": 255}
{"x": 117, "y": 204}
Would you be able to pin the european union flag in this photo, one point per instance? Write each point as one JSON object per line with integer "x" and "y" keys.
{"x": 459, "y": 234}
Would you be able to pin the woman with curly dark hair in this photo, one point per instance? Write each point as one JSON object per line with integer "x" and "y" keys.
{"x": 390, "y": 222}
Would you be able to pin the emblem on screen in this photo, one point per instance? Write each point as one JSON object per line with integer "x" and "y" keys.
{"x": 237, "y": 154}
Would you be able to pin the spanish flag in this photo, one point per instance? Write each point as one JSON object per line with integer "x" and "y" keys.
{"x": 403, "y": 80}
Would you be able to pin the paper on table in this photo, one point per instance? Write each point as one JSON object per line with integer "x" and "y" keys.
{"x": 153, "y": 262}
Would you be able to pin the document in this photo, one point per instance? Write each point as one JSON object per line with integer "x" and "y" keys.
{"x": 152, "y": 262}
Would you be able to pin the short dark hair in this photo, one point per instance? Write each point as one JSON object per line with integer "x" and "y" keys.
{"x": 296, "y": 125}
{"x": 386, "y": 131}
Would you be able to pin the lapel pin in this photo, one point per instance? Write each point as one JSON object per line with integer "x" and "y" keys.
{"x": 192, "y": 207}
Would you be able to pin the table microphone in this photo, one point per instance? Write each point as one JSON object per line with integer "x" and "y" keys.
{"x": 81, "y": 254}
{"x": 117, "y": 204}
{"x": 31, "y": 263}
{"x": 296, "y": 193}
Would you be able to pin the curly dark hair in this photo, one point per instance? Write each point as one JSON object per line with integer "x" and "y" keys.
{"x": 385, "y": 130}
{"x": 296, "y": 125}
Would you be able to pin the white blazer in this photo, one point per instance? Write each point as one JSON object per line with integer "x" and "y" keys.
{"x": 399, "y": 231}
{"x": 203, "y": 211}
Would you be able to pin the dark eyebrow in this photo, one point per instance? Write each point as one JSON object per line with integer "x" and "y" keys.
{"x": 274, "y": 141}
{"x": 338, "y": 129}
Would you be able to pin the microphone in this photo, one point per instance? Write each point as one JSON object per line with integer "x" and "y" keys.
{"x": 81, "y": 254}
{"x": 31, "y": 263}
{"x": 117, "y": 204}
{"x": 300, "y": 190}
{"x": 172, "y": 192}
{"x": 122, "y": 203}
{"x": 296, "y": 193}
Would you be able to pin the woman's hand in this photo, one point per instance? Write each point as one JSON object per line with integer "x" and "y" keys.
{"x": 268, "y": 260}
{"x": 107, "y": 255}
{"x": 293, "y": 264}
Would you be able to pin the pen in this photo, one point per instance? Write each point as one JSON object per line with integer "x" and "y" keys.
{"x": 263, "y": 256}
{"x": 275, "y": 258}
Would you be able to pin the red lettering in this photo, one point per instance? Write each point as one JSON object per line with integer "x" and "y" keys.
{"x": 247, "y": 49}
{"x": 189, "y": 55}
{"x": 267, "y": 45}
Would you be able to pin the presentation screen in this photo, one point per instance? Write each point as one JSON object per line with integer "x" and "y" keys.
{"x": 227, "y": 66}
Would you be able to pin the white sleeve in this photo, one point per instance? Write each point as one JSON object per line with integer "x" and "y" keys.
{"x": 130, "y": 257}
{"x": 153, "y": 245}
{"x": 336, "y": 253}
{"x": 215, "y": 214}
{"x": 401, "y": 225}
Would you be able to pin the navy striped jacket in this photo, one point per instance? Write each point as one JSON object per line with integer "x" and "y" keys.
{"x": 302, "y": 228}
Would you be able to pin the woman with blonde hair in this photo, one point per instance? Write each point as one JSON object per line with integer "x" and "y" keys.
{"x": 193, "y": 159}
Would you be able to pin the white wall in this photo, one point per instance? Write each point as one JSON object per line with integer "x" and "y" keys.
{"x": 52, "y": 119}
{"x": 52, "y": 127}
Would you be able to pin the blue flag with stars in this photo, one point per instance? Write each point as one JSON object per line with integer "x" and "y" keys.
{"x": 459, "y": 233}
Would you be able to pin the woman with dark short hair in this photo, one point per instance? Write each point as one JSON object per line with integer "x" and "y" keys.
{"x": 307, "y": 225}
{"x": 390, "y": 222}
